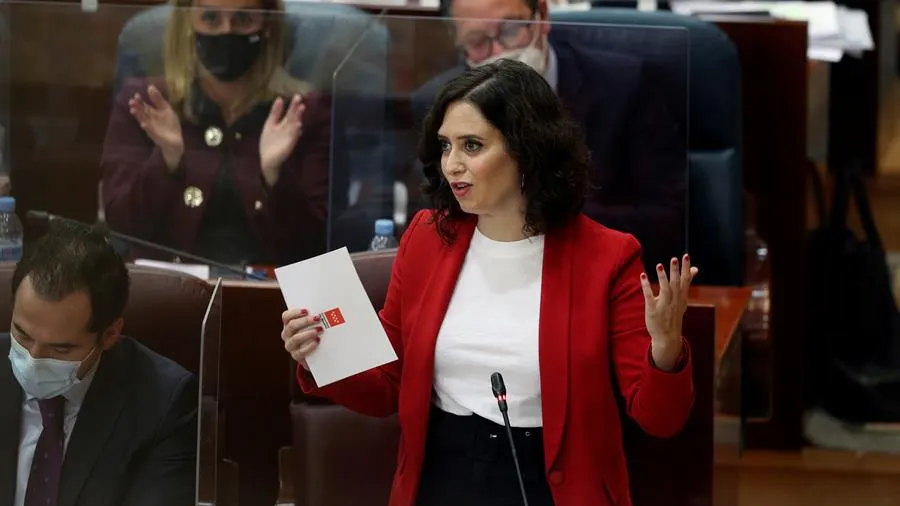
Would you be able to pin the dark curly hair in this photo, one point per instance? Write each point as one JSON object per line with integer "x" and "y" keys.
{"x": 549, "y": 149}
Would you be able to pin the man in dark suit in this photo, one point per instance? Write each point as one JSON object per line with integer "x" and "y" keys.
{"x": 87, "y": 416}
{"x": 639, "y": 154}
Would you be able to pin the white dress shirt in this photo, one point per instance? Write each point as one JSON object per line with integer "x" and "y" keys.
{"x": 491, "y": 325}
{"x": 32, "y": 425}
{"x": 552, "y": 72}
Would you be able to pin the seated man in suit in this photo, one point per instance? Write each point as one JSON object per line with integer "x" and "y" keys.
{"x": 638, "y": 153}
{"x": 87, "y": 416}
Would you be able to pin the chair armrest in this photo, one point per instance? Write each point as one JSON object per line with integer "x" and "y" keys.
{"x": 286, "y": 495}
{"x": 227, "y": 485}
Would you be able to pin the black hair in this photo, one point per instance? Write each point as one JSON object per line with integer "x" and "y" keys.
{"x": 71, "y": 258}
{"x": 549, "y": 149}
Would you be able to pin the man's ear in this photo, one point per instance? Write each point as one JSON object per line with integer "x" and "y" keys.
{"x": 544, "y": 16}
{"x": 112, "y": 334}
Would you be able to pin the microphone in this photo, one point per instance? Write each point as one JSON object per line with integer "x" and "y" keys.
{"x": 44, "y": 216}
{"x": 499, "y": 388}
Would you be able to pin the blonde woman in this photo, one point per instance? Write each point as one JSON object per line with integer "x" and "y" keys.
{"x": 225, "y": 156}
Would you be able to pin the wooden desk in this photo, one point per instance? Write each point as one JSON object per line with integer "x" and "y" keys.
{"x": 728, "y": 425}
{"x": 256, "y": 378}
{"x": 729, "y": 303}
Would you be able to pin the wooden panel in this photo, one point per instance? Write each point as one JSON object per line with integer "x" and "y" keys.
{"x": 255, "y": 374}
{"x": 62, "y": 63}
{"x": 774, "y": 122}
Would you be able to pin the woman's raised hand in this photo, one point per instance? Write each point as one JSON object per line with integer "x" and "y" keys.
{"x": 664, "y": 312}
{"x": 161, "y": 124}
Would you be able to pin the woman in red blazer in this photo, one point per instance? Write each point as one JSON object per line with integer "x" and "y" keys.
{"x": 506, "y": 275}
{"x": 226, "y": 156}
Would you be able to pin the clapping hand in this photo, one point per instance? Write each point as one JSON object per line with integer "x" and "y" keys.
{"x": 279, "y": 137}
{"x": 664, "y": 312}
{"x": 159, "y": 121}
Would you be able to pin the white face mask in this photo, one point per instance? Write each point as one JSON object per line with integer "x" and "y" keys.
{"x": 43, "y": 377}
{"x": 530, "y": 55}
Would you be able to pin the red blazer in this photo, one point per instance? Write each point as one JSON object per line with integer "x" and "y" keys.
{"x": 592, "y": 327}
{"x": 141, "y": 198}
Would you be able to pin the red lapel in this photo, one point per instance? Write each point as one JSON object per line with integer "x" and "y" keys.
{"x": 419, "y": 360}
{"x": 556, "y": 291}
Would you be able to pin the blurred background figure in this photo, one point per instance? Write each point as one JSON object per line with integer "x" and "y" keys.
{"x": 226, "y": 155}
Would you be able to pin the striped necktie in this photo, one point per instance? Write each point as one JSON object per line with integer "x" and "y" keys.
{"x": 43, "y": 481}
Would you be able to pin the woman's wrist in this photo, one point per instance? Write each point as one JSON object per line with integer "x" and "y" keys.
{"x": 172, "y": 157}
{"x": 270, "y": 173}
{"x": 665, "y": 354}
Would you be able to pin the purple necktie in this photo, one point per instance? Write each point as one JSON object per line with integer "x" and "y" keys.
{"x": 43, "y": 482}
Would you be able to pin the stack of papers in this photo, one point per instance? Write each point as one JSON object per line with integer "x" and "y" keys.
{"x": 833, "y": 30}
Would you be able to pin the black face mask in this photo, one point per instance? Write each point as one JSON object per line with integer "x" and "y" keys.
{"x": 229, "y": 56}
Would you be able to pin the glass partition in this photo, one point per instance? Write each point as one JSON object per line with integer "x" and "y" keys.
{"x": 241, "y": 186}
{"x": 366, "y": 81}
{"x": 625, "y": 88}
{"x": 362, "y": 153}
{"x": 83, "y": 153}
{"x": 209, "y": 441}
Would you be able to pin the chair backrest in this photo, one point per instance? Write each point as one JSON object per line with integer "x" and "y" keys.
{"x": 165, "y": 311}
{"x": 329, "y": 440}
{"x": 715, "y": 181}
{"x": 332, "y": 443}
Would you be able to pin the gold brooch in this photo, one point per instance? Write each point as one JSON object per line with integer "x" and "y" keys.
{"x": 193, "y": 196}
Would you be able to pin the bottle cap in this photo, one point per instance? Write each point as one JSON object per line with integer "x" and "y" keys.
{"x": 384, "y": 227}
{"x": 7, "y": 204}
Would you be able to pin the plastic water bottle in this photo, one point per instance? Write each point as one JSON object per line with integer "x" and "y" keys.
{"x": 10, "y": 231}
{"x": 756, "y": 317}
{"x": 384, "y": 236}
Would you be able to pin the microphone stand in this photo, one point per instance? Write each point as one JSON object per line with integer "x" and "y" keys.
{"x": 512, "y": 445}
{"x": 45, "y": 216}
{"x": 499, "y": 388}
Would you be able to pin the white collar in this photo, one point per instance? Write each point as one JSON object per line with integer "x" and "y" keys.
{"x": 552, "y": 72}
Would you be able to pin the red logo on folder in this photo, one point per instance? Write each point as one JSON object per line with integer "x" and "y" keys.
{"x": 332, "y": 318}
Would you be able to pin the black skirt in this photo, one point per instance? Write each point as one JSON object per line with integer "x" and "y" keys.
{"x": 468, "y": 462}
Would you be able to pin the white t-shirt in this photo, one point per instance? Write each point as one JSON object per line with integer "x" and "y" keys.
{"x": 491, "y": 326}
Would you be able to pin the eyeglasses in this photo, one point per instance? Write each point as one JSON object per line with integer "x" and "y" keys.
{"x": 478, "y": 46}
